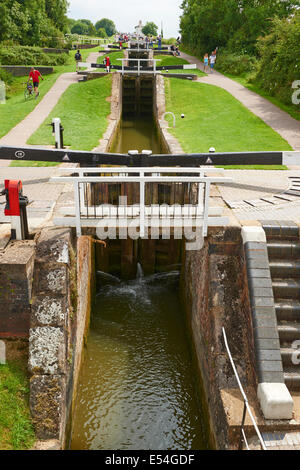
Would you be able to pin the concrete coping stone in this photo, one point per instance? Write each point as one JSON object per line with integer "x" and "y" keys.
{"x": 273, "y": 395}
{"x": 275, "y": 401}
{"x": 253, "y": 234}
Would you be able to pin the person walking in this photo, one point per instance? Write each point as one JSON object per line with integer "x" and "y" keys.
{"x": 205, "y": 60}
{"x": 212, "y": 61}
{"x": 107, "y": 63}
{"x": 35, "y": 75}
{"x": 159, "y": 42}
{"x": 78, "y": 59}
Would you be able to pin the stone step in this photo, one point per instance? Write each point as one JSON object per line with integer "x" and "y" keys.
{"x": 288, "y": 356}
{"x": 286, "y": 288}
{"x": 292, "y": 379}
{"x": 288, "y": 333}
{"x": 283, "y": 249}
{"x": 287, "y": 310}
{"x": 283, "y": 230}
{"x": 283, "y": 269}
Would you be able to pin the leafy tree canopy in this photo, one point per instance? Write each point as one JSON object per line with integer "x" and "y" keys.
{"x": 83, "y": 27}
{"x": 150, "y": 29}
{"x": 33, "y": 23}
{"x": 101, "y": 33}
{"x": 108, "y": 25}
{"x": 234, "y": 24}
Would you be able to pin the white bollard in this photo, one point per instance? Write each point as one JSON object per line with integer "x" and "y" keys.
{"x": 56, "y": 127}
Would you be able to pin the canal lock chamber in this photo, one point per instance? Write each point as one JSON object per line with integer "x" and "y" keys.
{"x": 138, "y": 129}
{"x": 139, "y": 387}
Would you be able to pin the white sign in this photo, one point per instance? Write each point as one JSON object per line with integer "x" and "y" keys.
{"x": 2, "y": 92}
{"x": 2, "y": 353}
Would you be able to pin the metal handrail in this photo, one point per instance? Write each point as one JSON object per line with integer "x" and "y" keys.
{"x": 246, "y": 403}
{"x": 201, "y": 219}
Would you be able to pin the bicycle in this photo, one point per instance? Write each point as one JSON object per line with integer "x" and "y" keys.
{"x": 28, "y": 92}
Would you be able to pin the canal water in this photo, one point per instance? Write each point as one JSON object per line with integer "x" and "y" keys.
{"x": 137, "y": 386}
{"x": 137, "y": 134}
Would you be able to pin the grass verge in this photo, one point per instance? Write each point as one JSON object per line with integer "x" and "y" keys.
{"x": 83, "y": 109}
{"x": 114, "y": 56}
{"x": 16, "y": 431}
{"x": 20, "y": 163}
{"x": 214, "y": 118}
{"x": 16, "y": 108}
{"x": 246, "y": 82}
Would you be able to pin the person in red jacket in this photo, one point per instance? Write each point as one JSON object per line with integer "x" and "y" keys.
{"x": 107, "y": 63}
{"x": 35, "y": 77}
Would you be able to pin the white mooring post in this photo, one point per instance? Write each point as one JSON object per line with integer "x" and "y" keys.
{"x": 56, "y": 123}
{"x": 142, "y": 204}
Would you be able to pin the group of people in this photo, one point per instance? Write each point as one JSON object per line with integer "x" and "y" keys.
{"x": 210, "y": 61}
{"x": 175, "y": 50}
{"x": 78, "y": 58}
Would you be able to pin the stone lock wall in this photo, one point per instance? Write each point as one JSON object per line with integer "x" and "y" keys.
{"x": 50, "y": 338}
{"x": 85, "y": 288}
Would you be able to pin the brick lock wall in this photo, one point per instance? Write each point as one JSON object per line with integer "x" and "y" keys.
{"x": 215, "y": 294}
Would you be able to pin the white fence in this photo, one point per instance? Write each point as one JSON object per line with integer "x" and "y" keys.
{"x": 84, "y": 214}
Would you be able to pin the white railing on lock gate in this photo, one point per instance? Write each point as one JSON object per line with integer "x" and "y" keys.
{"x": 199, "y": 212}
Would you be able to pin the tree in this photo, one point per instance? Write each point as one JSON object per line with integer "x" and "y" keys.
{"x": 108, "y": 25}
{"x": 101, "y": 33}
{"x": 91, "y": 27}
{"x": 279, "y": 58}
{"x": 235, "y": 25}
{"x": 150, "y": 29}
{"x": 32, "y": 23}
{"x": 56, "y": 11}
{"x": 80, "y": 28}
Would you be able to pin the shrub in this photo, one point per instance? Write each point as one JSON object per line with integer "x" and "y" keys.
{"x": 280, "y": 58}
{"x": 6, "y": 76}
{"x": 235, "y": 64}
{"x": 169, "y": 41}
{"x": 26, "y": 55}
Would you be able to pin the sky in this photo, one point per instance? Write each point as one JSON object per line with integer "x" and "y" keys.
{"x": 127, "y": 13}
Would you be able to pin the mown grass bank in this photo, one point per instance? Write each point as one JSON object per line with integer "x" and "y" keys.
{"x": 16, "y": 430}
{"x": 114, "y": 57}
{"x": 247, "y": 81}
{"x": 83, "y": 109}
{"x": 16, "y": 108}
{"x": 247, "y": 78}
{"x": 214, "y": 118}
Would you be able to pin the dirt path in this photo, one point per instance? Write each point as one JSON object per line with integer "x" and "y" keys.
{"x": 278, "y": 120}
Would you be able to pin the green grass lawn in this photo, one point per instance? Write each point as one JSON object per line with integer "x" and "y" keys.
{"x": 16, "y": 108}
{"x": 83, "y": 109}
{"x": 165, "y": 60}
{"x": 16, "y": 431}
{"x": 214, "y": 118}
{"x": 114, "y": 56}
{"x": 20, "y": 163}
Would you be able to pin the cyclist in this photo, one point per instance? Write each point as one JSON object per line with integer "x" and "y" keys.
{"x": 35, "y": 77}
